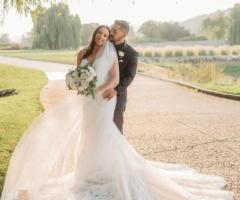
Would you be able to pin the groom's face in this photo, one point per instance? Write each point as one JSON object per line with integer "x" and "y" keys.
{"x": 117, "y": 33}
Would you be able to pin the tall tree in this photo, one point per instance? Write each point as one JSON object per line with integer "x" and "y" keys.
{"x": 150, "y": 29}
{"x": 4, "y": 38}
{"x": 55, "y": 28}
{"x": 22, "y": 6}
{"x": 172, "y": 31}
{"x": 166, "y": 30}
{"x": 234, "y": 31}
{"x": 26, "y": 39}
{"x": 216, "y": 27}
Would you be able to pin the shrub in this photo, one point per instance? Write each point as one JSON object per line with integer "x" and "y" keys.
{"x": 190, "y": 53}
{"x": 208, "y": 72}
{"x": 168, "y": 53}
{"x": 148, "y": 54}
{"x": 193, "y": 38}
{"x": 202, "y": 52}
{"x": 13, "y": 46}
{"x": 140, "y": 54}
{"x": 212, "y": 53}
{"x": 178, "y": 53}
{"x": 224, "y": 52}
{"x": 202, "y": 72}
{"x": 234, "y": 52}
{"x": 157, "y": 54}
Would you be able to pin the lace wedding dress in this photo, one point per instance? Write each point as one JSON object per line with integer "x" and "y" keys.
{"x": 74, "y": 151}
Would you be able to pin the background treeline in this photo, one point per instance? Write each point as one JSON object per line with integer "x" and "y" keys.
{"x": 223, "y": 26}
{"x": 56, "y": 28}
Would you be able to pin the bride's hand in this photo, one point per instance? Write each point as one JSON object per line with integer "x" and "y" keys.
{"x": 108, "y": 94}
{"x": 99, "y": 91}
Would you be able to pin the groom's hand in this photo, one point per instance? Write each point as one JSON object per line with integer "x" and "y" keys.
{"x": 109, "y": 94}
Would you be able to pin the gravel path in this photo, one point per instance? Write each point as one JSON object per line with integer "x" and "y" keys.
{"x": 170, "y": 123}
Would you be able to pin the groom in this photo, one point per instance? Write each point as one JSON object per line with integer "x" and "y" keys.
{"x": 127, "y": 59}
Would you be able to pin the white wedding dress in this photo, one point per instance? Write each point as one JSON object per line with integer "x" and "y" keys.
{"x": 74, "y": 151}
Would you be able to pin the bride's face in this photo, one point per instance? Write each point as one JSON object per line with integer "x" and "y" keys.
{"x": 101, "y": 36}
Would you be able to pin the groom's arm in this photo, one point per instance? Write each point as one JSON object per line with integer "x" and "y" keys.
{"x": 129, "y": 73}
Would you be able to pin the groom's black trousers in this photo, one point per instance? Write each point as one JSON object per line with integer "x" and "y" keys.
{"x": 119, "y": 110}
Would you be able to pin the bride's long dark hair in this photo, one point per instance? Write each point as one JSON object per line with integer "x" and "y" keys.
{"x": 92, "y": 43}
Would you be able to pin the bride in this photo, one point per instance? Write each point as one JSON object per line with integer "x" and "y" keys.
{"x": 74, "y": 151}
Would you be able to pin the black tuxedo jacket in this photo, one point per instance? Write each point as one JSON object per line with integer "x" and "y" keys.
{"x": 128, "y": 61}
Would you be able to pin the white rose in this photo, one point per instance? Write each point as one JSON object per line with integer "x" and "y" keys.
{"x": 83, "y": 76}
{"x": 75, "y": 74}
{"x": 84, "y": 84}
{"x": 88, "y": 73}
{"x": 90, "y": 78}
{"x": 78, "y": 79}
{"x": 92, "y": 72}
{"x": 81, "y": 88}
{"x": 72, "y": 84}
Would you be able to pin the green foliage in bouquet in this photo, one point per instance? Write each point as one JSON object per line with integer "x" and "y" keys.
{"x": 83, "y": 79}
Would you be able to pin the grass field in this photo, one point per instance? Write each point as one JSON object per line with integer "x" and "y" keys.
{"x": 194, "y": 50}
{"x": 226, "y": 88}
{"x": 62, "y": 56}
{"x": 17, "y": 111}
{"x": 232, "y": 69}
{"x": 228, "y": 83}
{"x": 222, "y": 77}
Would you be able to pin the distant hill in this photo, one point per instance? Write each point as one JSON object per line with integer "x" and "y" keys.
{"x": 194, "y": 24}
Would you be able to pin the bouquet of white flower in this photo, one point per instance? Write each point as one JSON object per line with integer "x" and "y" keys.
{"x": 83, "y": 79}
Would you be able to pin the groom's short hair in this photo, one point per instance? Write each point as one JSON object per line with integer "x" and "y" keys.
{"x": 123, "y": 24}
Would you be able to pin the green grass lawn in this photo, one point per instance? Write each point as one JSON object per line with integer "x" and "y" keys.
{"x": 228, "y": 82}
{"x": 17, "y": 111}
{"x": 232, "y": 69}
{"x": 230, "y": 89}
{"x": 61, "y": 56}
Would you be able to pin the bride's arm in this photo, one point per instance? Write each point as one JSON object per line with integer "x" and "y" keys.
{"x": 80, "y": 55}
{"x": 113, "y": 80}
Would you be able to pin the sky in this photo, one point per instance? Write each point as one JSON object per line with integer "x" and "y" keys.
{"x": 134, "y": 11}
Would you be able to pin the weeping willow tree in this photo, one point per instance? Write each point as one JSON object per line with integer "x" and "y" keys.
{"x": 27, "y": 5}
{"x": 22, "y": 6}
{"x": 55, "y": 28}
